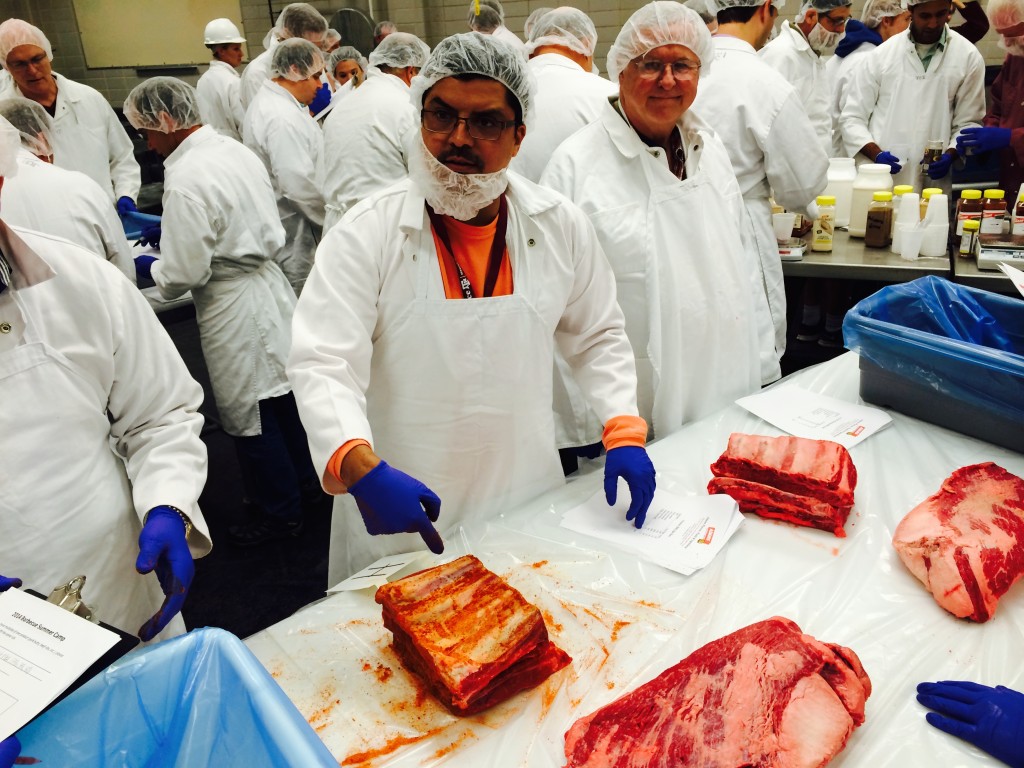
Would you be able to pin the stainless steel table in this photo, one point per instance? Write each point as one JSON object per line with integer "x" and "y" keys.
{"x": 966, "y": 271}
{"x": 851, "y": 260}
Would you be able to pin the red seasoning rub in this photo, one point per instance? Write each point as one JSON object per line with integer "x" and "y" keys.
{"x": 475, "y": 640}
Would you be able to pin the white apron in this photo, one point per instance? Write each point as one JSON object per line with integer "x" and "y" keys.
{"x": 301, "y": 237}
{"x": 450, "y": 406}
{"x": 66, "y": 508}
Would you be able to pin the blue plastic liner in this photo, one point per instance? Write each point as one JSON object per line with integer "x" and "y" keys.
{"x": 201, "y": 699}
{"x": 951, "y": 340}
{"x": 134, "y": 223}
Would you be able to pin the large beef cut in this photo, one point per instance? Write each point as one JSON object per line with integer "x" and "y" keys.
{"x": 766, "y": 695}
{"x": 801, "y": 481}
{"x": 966, "y": 542}
{"x": 475, "y": 640}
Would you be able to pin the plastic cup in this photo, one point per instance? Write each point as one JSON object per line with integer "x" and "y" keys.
{"x": 910, "y": 243}
{"x": 783, "y": 223}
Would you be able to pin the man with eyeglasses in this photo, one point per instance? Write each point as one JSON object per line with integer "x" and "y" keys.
{"x": 280, "y": 130}
{"x": 772, "y": 146}
{"x": 364, "y": 135}
{"x": 427, "y": 330}
{"x": 924, "y": 84}
{"x": 658, "y": 186}
{"x": 798, "y": 55}
{"x": 87, "y": 135}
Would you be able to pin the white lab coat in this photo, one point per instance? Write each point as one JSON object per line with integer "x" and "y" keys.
{"x": 67, "y": 204}
{"x": 220, "y": 102}
{"x": 364, "y": 142}
{"x": 900, "y": 107}
{"x": 506, "y": 35}
{"x": 773, "y": 147}
{"x": 291, "y": 145}
{"x": 220, "y": 234}
{"x": 88, "y": 137}
{"x": 791, "y": 56}
{"x": 456, "y": 393}
{"x": 256, "y": 72}
{"x": 840, "y": 71}
{"x": 567, "y": 98}
{"x": 100, "y": 424}
{"x": 686, "y": 283}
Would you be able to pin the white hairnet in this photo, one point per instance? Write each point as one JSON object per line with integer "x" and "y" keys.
{"x": 876, "y": 10}
{"x": 532, "y": 19}
{"x": 384, "y": 28}
{"x": 473, "y": 53}
{"x": 663, "y": 22}
{"x": 164, "y": 104}
{"x": 296, "y": 59}
{"x": 703, "y": 8}
{"x": 491, "y": 15}
{"x": 398, "y": 50}
{"x": 10, "y": 143}
{"x": 300, "y": 20}
{"x": 1001, "y": 13}
{"x": 720, "y": 5}
{"x": 33, "y": 123}
{"x": 568, "y": 27}
{"x": 824, "y": 6}
{"x": 15, "y": 32}
{"x": 346, "y": 53}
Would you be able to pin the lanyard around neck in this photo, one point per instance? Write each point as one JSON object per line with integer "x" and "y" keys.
{"x": 493, "y": 260}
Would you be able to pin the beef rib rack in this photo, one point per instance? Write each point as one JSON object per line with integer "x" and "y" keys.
{"x": 965, "y": 542}
{"x": 471, "y": 637}
{"x": 765, "y": 695}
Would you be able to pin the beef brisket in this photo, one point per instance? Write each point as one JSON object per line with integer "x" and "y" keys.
{"x": 966, "y": 542}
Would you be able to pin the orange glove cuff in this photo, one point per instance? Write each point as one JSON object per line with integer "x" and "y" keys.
{"x": 620, "y": 431}
{"x": 334, "y": 463}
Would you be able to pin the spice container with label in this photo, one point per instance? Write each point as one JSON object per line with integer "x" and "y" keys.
{"x": 968, "y": 208}
{"x": 926, "y": 195}
{"x": 1017, "y": 224}
{"x": 878, "y": 223}
{"x": 969, "y": 239}
{"x": 932, "y": 153}
{"x": 824, "y": 225}
{"x": 993, "y": 212}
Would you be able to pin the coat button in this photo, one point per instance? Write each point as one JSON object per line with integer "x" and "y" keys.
{"x": 531, "y": 242}
{"x": 5, "y": 327}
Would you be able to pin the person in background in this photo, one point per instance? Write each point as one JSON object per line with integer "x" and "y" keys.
{"x": 798, "y": 55}
{"x": 365, "y": 135}
{"x": 1003, "y": 129}
{"x": 332, "y": 41}
{"x": 76, "y": 208}
{"x": 992, "y": 719}
{"x": 382, "y": 30}
{"x": 296, "y": 20}
{"x": 280, "y": 130}
{"x": 773, "y": 148}
{"x": 218, "y": 88}
{"x": 450, "y": 291}
{"x": 103, "y": 461}
{"x": 706, "y": 13}
{"x": 532, "y": 19}
{"x": 926, "y": 83}
{"x": 346, "y": 68}
{"x": 658, "y": 186}
{"x": 975, "y": 24}
{"x": 488, "y": 18}
{"x": 87, "y": 136}
{"x": 220, "y": 235}
{"x": 880, "y": 20}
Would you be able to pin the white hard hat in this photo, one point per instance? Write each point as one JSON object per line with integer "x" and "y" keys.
{"x": 221, "y": 31}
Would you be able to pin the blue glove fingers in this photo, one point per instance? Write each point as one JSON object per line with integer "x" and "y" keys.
{"x": 10, "y": 748}
{"x": 125, "y": 205}
{"x": 431, "y": 504}
{"x": 959, "y": 690}
{"x": 639, "y": 506}
{"x": 431, "y": 537}
{"x": 6, "y": 582}
{"x": 886, "y": 158}
{"x": 151, "y": 236}
{"x": 611, "y": 486}
{"x": 144, "y": 266}
{"x": 952, "y": 727}
{"x": 940, "y": 167}
{"x": 966, "y": 712}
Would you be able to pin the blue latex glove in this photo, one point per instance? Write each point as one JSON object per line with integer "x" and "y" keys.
{"x": 144, "y": 266}
{"x": 940, "y": 167}
{"x": 7, "y": 582}
{"x": 631, "y": 463}
{"x": 162, "y": 546}
{"x": 392, "y": 502}
{"x": 884, "y": 158}
{"x": 978, "y": 139}
{"x": 321, "y": 100}
{"x": 991, "y": 719}
{"x": 150, "y": 236}
{"x": 10, "y": 748}
{"x": 126, "y": 205}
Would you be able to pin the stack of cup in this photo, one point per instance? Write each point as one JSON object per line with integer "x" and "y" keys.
{"x": 907, "y": 217}
{"x": 936, "y": 227}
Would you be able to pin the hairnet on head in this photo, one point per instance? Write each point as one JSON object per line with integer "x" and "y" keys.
{"x": 10, "y": 143}
{"x": 296, "y": 59}
{"x": 1005, "y": 13}
{"x": 300, "y": 20}
{"x": 568, "y": 27}
{"x": 15, "y": 32}
{"x": 398, "y": 50}
{"x": 876, "y": 10}
{"x": 473, "y": 53}
{"x": 164, "y": 104}
{"x": 824, "y": 6}
{"x": 384, "y": 28}
{"x": 663, "y": 22}
{"x": 32, "y": 122}
{"x": 532, "y": 19}
{"x": 491, "y": 15}
{"x": 346, "y": 53}
{"x": 720, "y": 5}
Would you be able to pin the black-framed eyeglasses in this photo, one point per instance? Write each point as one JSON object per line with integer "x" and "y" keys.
{"x": 22, "y": 66}
{"x": 836, "y": 25}
{"x": 479, "y": 126}
{"x": 651, "y": 69}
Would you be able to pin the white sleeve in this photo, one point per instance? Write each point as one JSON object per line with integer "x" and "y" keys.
{"x": 794, "y": 162}
{"x": 125, "y": 174}
{"x": 968, "y": 106}
{"x": 115, "y": 244}
{"x": 187, "y": 241}
{"x": 296, "y": 169}
{"x": 853, "y": 121}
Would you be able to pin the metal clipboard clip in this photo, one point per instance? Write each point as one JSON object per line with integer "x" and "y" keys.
{"x": 69, "y": 597}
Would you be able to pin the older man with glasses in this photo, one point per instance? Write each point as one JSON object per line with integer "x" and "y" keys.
{"x": 658, "y": 186}
{"x": 427, "y": 331}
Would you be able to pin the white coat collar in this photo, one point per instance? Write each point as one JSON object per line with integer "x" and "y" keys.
{"x": 374, "y": 75}
{"x": 730, "y": 43}
{"x": 629, "y": 143}
{"x": 64, "y": 91}
{"x": 281, "y": 93}
{"x": 204, "y": 134}
{"x": 218, "y": 64}
{"x": 27, "y": 267}
{"x": 556, "y": 60}
{"x": 797, "y": 39}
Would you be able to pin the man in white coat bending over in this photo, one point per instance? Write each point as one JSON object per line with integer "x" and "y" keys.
{"x": 657, "y": 184}
{"x": 365, "y": 134}
{"x": 771, "y": 143}
{"x": 426, "y": 333}
{"x": 924, "y": 84}
{"x": 219, "y": 87}
{"x": 103, "y": 464}
{"x": 296, "y": 20}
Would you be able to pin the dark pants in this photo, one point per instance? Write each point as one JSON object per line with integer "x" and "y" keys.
{"x": 277, "y": 462}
